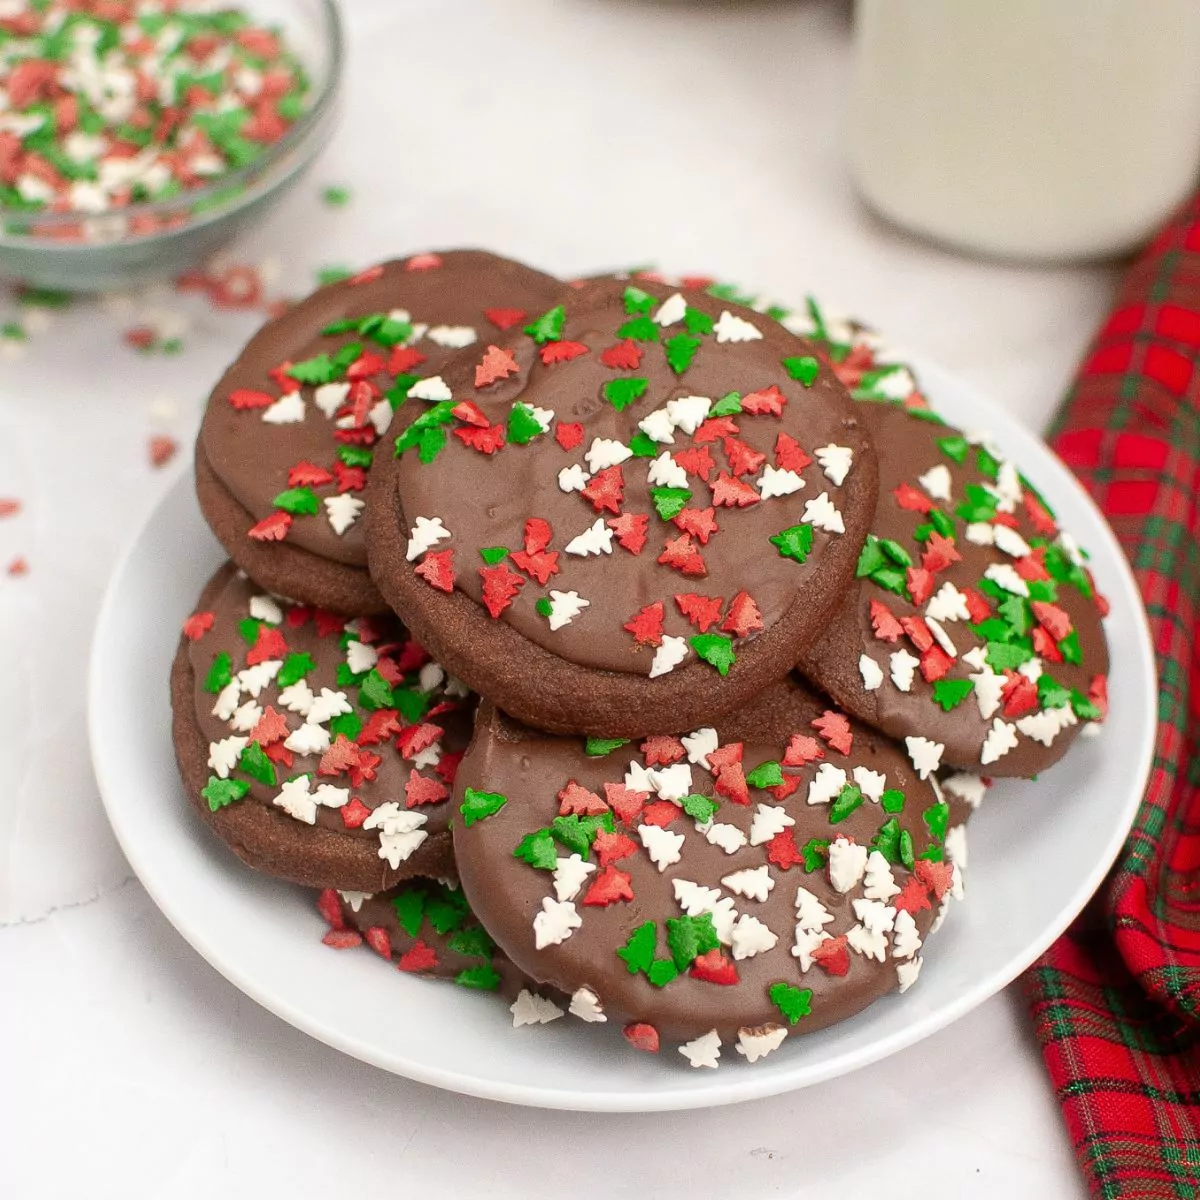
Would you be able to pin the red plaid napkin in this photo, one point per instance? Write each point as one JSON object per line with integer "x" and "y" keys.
{"x": 1116, "y": 1001}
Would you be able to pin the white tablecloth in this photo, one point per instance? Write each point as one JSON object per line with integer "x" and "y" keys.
{"x": 579, "y": 134}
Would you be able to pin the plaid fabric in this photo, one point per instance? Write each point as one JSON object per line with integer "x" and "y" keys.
{"x": 1116, "y": 1001}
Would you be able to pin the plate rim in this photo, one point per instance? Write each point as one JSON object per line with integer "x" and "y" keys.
{"x": 744, "y": 1086}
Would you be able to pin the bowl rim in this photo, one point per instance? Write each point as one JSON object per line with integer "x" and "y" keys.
{"x": 252, "y": 180}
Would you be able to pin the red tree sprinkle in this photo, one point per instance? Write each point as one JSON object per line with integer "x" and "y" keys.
{"x": 918, "y": 632}
{"x": 624, "y": 356}
{"x": 714, "y": 967}
{"x": 936, "y": 876}
{"x": 625, "y": 802}
{"x": 497, "y": 364}
{"x": 381, "y": 726}
{"x": 269, "y": 644}
{"x": 419, "y": 958}
{"x": 935, "y": 664}
{"x": 330, "y": 907}
{"x": 833, "y": 956}
{"x": 354, "y": 813}
{"x": 912, "y": 500}
{"x": 249, "y": 398}
{"x": 630, "y": 529}
{"x": 883, "y": 621}
{"x": 606, "y": 490}
{"x": 1054, "y": 620}
{"x": 1045, "y": 646}
{"x": 197, "y": 625}
{"x": 500, "y": 586}
{"x": 610, "y": 886}
{"x": 419, "y": 789}
{"x": 1019, "y": 694}
{"x": 696, "y": 460}
{"x": 272, "y": 727}
{"x": 642, "y": 1037}
{"x": 505, "y": 318}
{"x": 662, "y": 750}
{"x": 789, "y": 456}
{"x": 701, "y": 523}
{"x": 471, "y": 413}
{"x": 703, "y": 612}
{"x": 647, "y": 625}
{"x": 306, "y": 474}
{"x": 834, "y": 730}
{"x": 612, "y": 847}
{"x": 728, "y": 492}
{"x": 415, "y": 738}
{"x": 731, "y": 783}
{"x": 342, "y": 939}
{"x": 767, "y": 401}
{"x": 912, "y": 898}
{"x": 714, "y": 430}
{"x": 568, "y": 434}
{"x": 273, "y": 528}
{"x": 681, "y": 554}
{"x": 802, "y": 750}
{"x": 660, "y": 813}
{"x": 485, "y": 441}
{"x": 575, "y": 798}
{"x": 437, "y": 569}
{"x": 377, "y": 938}
{"x": 940, "y": 553}
{"x": 920, "y": 584}
{"x": 561, "y": 352}
{"x": 404, "y": 359}
{"x": 782, "y": 851}
{"x": 743, "y": 617}
{"x": 723, "y": 756}
{"x": 743, "y": 459}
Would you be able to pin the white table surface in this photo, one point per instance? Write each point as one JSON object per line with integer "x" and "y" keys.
{"x": 579, "y": 134}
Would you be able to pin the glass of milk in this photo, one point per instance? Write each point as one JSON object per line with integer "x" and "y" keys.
{"x": 1027, "y": 129}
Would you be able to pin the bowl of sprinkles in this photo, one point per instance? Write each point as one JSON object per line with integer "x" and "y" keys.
{"x": 139, "y": 136}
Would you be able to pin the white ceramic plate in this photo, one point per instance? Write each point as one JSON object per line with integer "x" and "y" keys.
{"x": 1037, "y": 853}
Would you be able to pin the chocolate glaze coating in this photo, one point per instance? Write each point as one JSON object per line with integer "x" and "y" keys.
{"x": 327, "y": 853}
{"x": 250, "y": 459}
{"x": 908, "y": 448}
{"x": 591, "y": 674}
{"x": 506, "y": 893}
{"x": 280, "y": 566}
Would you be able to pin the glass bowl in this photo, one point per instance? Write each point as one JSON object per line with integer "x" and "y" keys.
{"x": 77, "y": 251}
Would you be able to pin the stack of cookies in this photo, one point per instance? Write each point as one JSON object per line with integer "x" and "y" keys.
{"x": 625, "y": 648}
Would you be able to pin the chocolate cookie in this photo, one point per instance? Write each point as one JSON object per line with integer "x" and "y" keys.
{"x": 621, "y": 519}
{"x": 291, "y": 430}
{"x": 722, "y": 889}
{"x": 974, "y": 631}
{"x": 425, "y": 927}
{"x": 321, "y": 749}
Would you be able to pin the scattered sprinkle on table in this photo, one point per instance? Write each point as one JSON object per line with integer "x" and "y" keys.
{"x": 162, "y": 449}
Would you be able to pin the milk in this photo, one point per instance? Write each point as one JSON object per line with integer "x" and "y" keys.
{"x": 1033, "y": 129}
